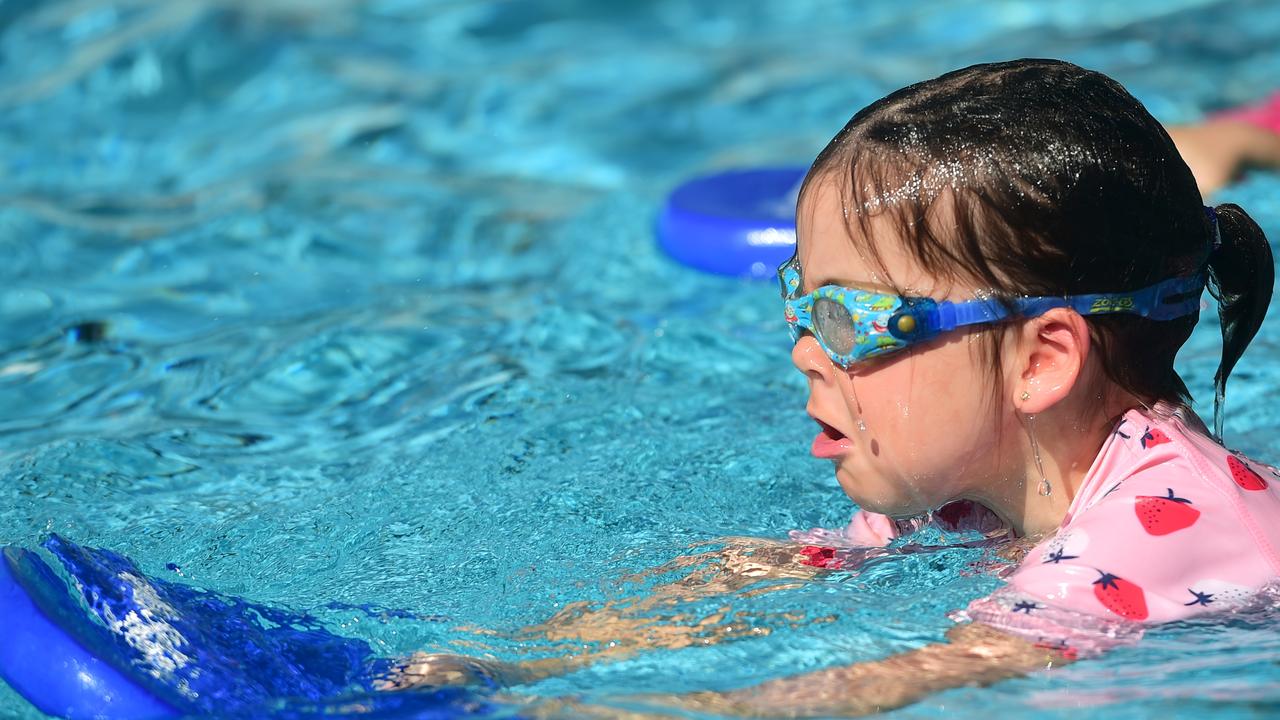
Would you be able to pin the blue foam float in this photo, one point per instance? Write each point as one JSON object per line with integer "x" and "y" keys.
{"x": 47, "y": 664}
{"x": 134, "y": 648}
{"x": 738, "y": 222}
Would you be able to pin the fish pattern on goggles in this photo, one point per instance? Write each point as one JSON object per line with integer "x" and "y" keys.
{"x": 853, "y": 325}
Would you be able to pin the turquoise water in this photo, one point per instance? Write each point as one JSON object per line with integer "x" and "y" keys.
{"x": 348, "y": 302}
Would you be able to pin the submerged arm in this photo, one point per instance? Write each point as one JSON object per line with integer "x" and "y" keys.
{"x": 617, "y": 629}
{"x": 974, "y": 655}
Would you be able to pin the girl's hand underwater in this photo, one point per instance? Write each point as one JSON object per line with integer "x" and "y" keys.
{"x": 438, "y": 669}
{"x": 443, "y": 670}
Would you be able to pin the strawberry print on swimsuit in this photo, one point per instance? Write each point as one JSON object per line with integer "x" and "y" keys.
{"x": 1243, "y": 476}
{"x": 1163, "y": 515}
{"x": 1151, "y": 438}
{"x": 1120, "y": 597}
{"x": 1166, "y": 524}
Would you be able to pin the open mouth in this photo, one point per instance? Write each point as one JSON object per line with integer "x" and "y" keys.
{"x": 830, "y": 432}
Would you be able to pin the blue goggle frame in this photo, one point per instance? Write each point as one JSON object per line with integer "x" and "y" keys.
{"x": 853, "y": 325}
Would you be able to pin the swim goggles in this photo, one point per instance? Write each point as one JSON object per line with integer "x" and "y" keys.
{"x": 853, "y": 325}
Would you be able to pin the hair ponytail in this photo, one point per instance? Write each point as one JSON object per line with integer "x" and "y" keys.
{"x": 1241, "y": 277}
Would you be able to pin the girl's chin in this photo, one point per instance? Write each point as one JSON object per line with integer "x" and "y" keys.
{"x": 866, "y": 496}
{"x": 894, "y": 510}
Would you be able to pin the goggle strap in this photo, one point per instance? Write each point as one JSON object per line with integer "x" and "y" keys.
{"x": 1166, "y": 300}
{"x": 1179, "y": 297}
{"x": 971, "y": 312}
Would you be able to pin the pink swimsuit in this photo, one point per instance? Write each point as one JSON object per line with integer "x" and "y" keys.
{"x": 1167, "y": 524}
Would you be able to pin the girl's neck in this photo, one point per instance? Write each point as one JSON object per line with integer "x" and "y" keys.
{"x": 1068, "y": 442}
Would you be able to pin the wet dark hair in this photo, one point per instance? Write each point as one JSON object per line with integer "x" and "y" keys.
{"x": 1059, "y": 182}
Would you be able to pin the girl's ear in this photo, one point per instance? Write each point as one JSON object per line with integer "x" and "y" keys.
{"x": 1050, "y": 354}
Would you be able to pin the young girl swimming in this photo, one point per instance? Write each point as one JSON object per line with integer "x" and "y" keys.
{"x": 994, "y": 272}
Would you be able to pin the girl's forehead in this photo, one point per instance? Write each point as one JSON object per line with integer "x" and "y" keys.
{"x": 837, "y": 246}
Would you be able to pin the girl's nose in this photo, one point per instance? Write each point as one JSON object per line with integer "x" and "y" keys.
{"x": 810, "y": 359}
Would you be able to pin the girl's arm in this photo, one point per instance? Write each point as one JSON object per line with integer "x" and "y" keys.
{"x": 583, "y": 633}
{"x": 974, "y": 655}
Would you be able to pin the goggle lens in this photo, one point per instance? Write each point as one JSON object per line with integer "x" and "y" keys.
{"x": 834, "y": 325}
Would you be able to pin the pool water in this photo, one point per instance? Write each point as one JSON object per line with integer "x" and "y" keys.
{"x": 341, "y": 304}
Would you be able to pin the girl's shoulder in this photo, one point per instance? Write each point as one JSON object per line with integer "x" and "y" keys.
{"x": 1164, "y": 463}
{"x": 1168, "y": 524}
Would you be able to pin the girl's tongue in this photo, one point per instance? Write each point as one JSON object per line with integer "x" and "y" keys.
{"x": 830, "y": 443}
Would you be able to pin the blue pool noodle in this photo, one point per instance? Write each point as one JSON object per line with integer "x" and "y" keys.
{"x": 738, "y": 222}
